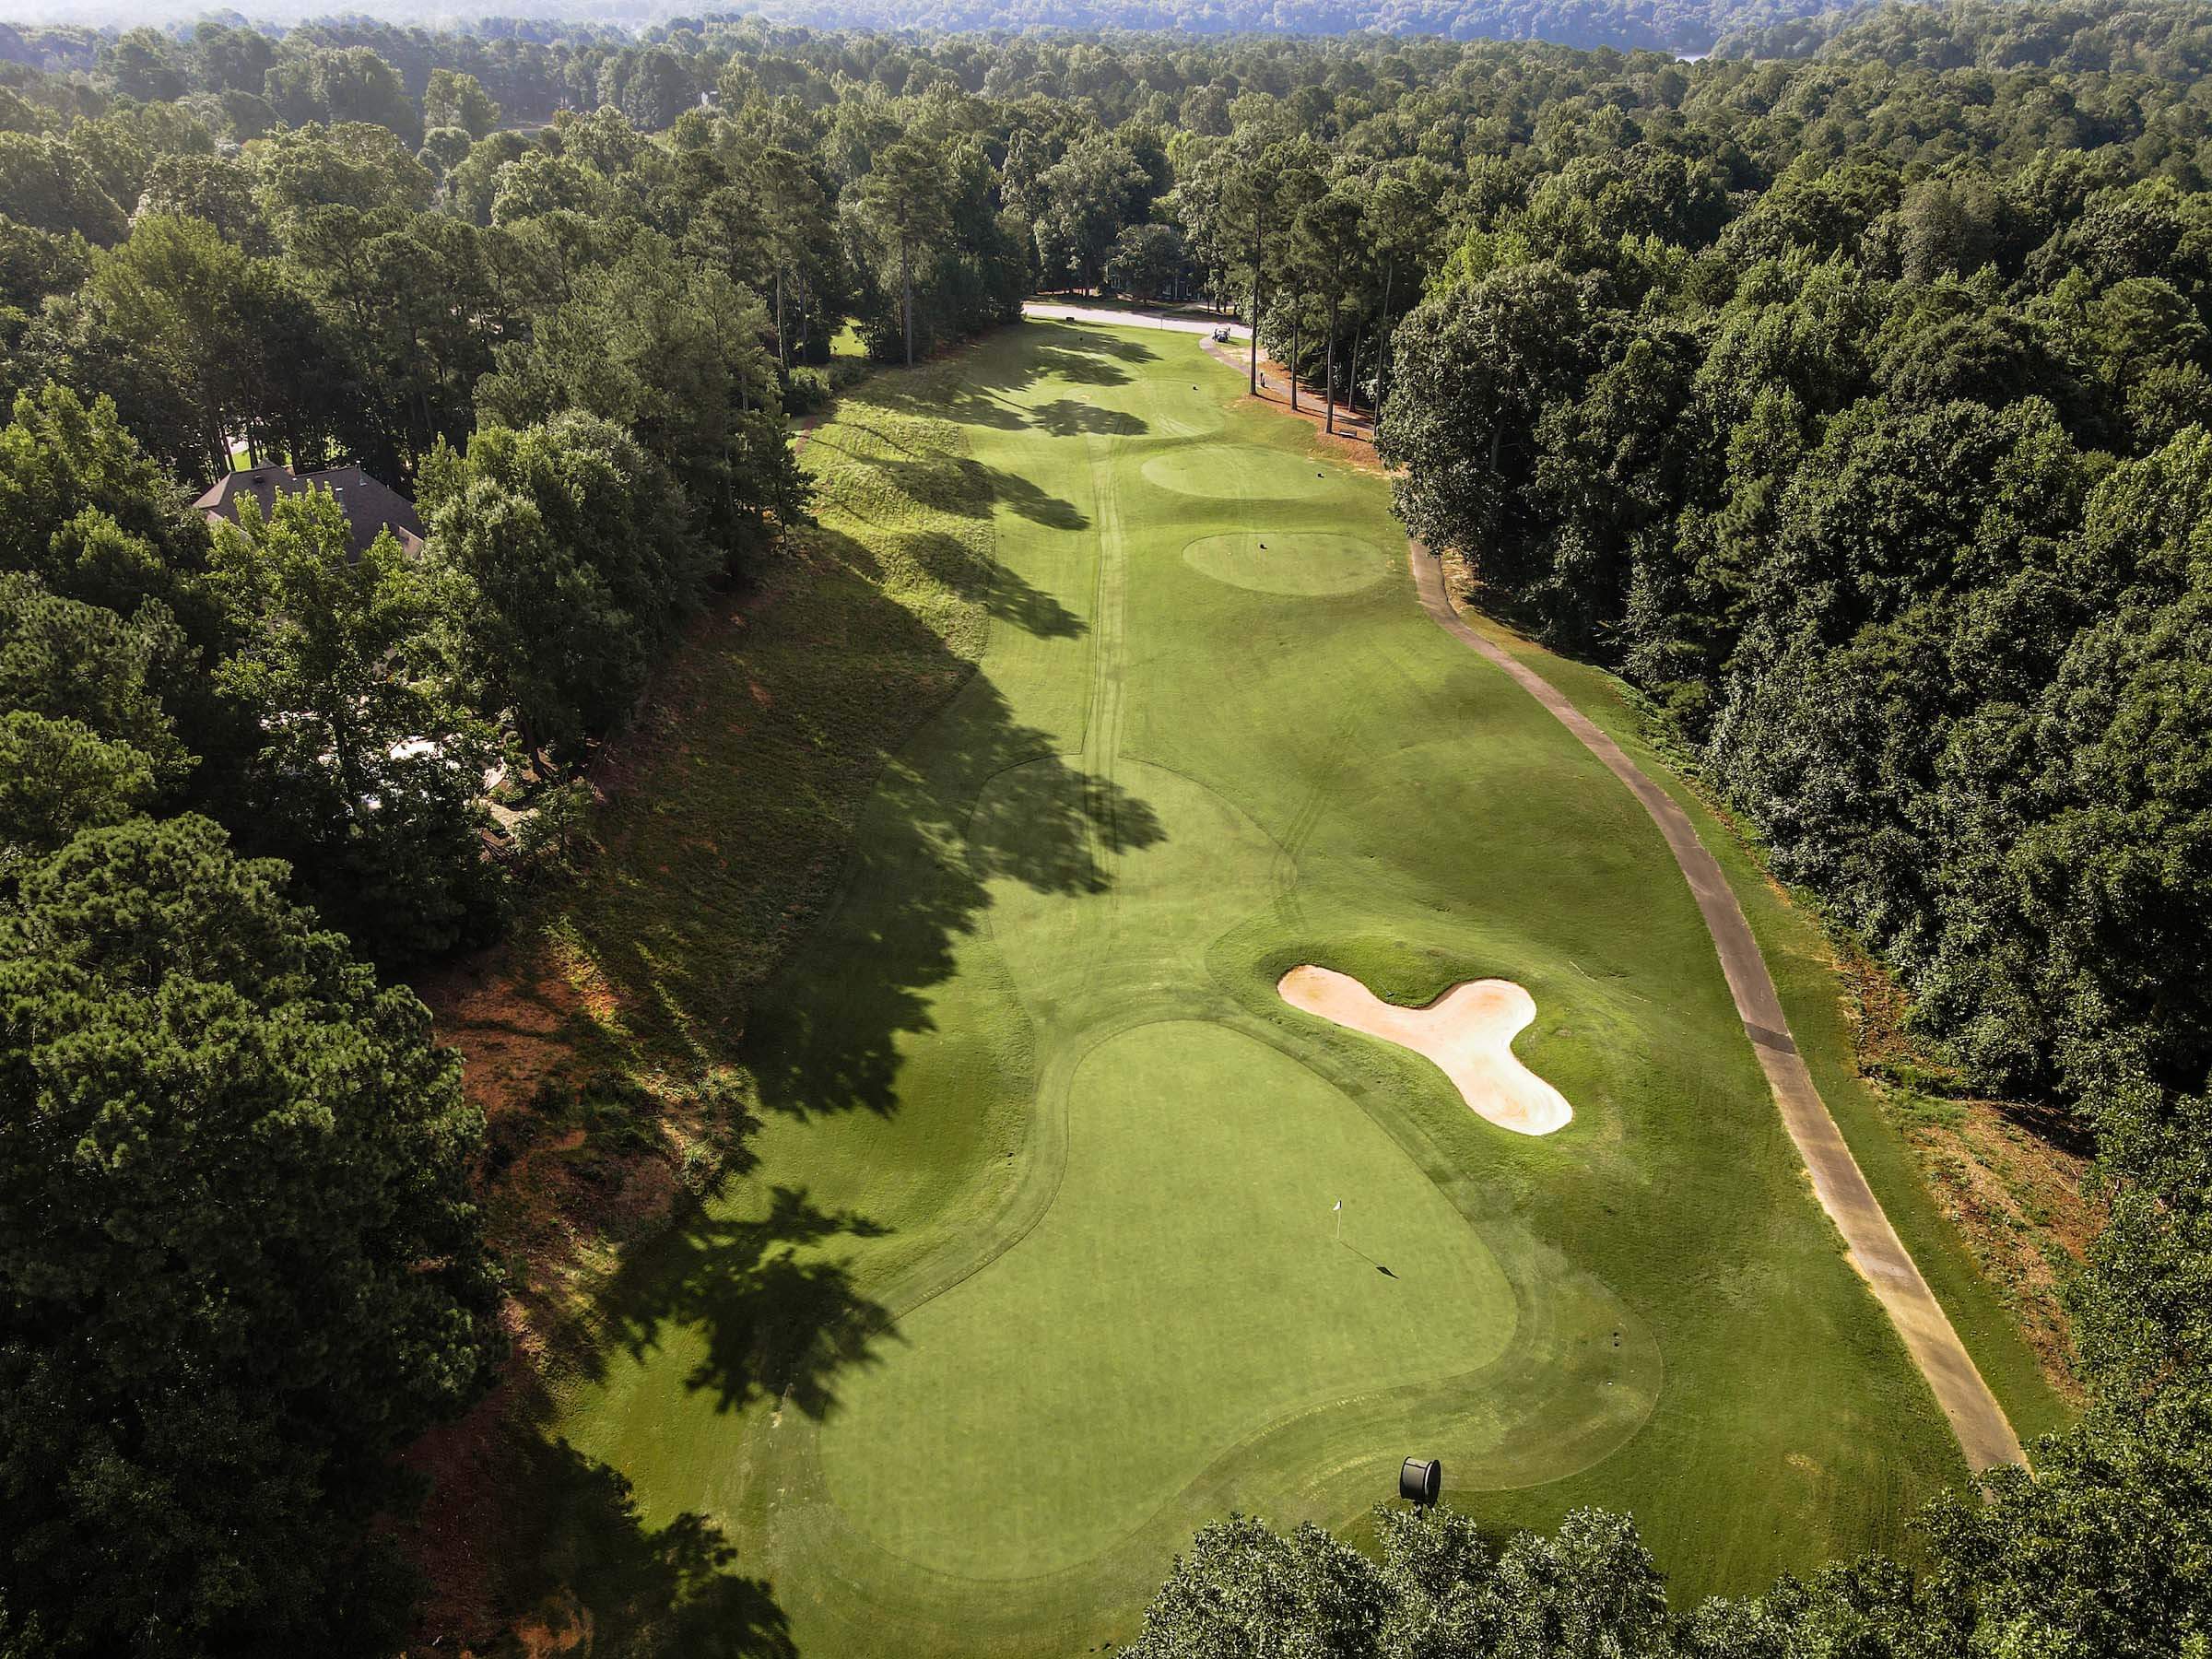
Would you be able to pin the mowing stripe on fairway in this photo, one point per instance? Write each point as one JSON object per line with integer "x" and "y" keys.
{"x": 1033, "y": 1266}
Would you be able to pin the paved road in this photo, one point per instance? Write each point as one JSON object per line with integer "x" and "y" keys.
{"x": 1985, "y": 1434}
{"x": 1062, "y": 310}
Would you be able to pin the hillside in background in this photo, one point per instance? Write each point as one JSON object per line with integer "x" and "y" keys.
{"x": 40, "y": 33}
{"x": 1687, "y": 27}
{"x": 2168, "y": 40}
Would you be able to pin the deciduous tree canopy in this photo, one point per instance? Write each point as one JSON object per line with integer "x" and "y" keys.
{"x": 1847, "y": 391}
{"x": 238, "y": 1249}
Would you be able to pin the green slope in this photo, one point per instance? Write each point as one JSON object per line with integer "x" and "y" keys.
{"x": 1031, "y": 1267}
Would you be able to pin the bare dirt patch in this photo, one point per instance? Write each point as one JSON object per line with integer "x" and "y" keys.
{"x": 2010, "y": 1177}
{"x": 511, "y": 1030}
{"x": 1467, "y": 1033}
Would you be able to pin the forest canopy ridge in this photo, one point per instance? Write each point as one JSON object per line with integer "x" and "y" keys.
{"x": 1689, "y": 26}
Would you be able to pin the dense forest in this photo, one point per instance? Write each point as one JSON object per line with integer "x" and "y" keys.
{"x": 2169, "y": 42}
{"x": 1849, "y": 393}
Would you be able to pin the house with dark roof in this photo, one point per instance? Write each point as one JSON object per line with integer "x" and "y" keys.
{"x": 369, "y": 506}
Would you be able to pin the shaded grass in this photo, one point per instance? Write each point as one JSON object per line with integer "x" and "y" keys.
{"x": 601, "y": 1039}
{"x": 1023, "y": 882}
{"x": 728, "y": 824}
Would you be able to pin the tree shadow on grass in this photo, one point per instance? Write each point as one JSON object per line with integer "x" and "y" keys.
{"x": 1031, "y": 502}
{"x": 1065, "y": 418}
{"x": 641, "y": 1589}
{"x": 999, "y": 590}
{"x": 825, "y": 740}
{"x": 971, "y": 489}
{"x": 989, "y": 800}
{"x": 774, "y": 1324}
{"x": 988, "y": 393}
{"x": 793, "y": 773}
{"x": 1094, "y": 342}
{"x": 573, "y": 1565}
{"x": 1086, "y": 367}
{"x": 535, "y": 1547}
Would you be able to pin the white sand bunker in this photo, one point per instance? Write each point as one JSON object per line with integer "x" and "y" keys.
{"x": 1468, "y": 1032}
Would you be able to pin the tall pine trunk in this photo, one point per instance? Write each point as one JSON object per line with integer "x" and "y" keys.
{"x": 1351, "y": 378}
{"x": 1328, "y": 390}
{"x": 1383, "y": 341}
{"x": 906, "y": 282}
{"x": 342, "y": 750}
{"x": 782, "y": 350}
{"x": 1259, "y": 249}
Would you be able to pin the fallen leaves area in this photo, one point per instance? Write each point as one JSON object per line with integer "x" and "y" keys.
{"x": 2010, "y": 1177}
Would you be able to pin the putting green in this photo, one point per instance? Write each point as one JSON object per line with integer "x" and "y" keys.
{"x": 1245, "y": 470}
{"x": 1030, "y": 1269}
{"x": 1288, "y": 561}
{"x": 1250, "y": 1305}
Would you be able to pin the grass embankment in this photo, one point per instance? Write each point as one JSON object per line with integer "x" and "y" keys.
{"x": 602, "y": 1038}
{"x": 1881, "y": 1120}
{"x": 1029, "y": 1263}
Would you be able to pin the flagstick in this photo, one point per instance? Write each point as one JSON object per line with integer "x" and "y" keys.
{"x": 1340, "y": 1223}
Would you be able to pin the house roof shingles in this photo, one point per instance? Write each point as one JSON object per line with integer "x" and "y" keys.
{"x": 369, "y": 506}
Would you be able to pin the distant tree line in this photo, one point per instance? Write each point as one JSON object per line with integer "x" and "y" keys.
{"x": 536, "y": 63}
{"x": 2162, "y": 40}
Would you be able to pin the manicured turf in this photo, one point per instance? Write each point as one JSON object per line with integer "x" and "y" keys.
{"x": 1287, "y": 562}
{"x": 1804, "y": 975}
{"x": 1031, "y": 1266}
{"x": 1201, "y": 1170}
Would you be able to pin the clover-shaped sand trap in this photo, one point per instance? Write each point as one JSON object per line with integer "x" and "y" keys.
{"x": 1467, "y": 1032}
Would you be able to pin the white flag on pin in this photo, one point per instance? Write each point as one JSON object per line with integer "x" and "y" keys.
{"x": 1338, "y": 1204}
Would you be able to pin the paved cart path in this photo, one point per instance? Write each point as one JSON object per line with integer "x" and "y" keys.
{"x": 1986, "y": 1435}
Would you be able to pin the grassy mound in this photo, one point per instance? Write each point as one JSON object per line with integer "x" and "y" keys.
{"x": 1288, "y": 561}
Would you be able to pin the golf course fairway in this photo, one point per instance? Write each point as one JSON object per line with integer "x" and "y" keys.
{"x": 1033, "y": 1261}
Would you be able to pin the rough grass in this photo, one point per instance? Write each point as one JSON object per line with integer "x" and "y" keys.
{"x": 1987, "y": 1311}
{"x": 602, "y": 1038}
{"x": 1149, "y": 793}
